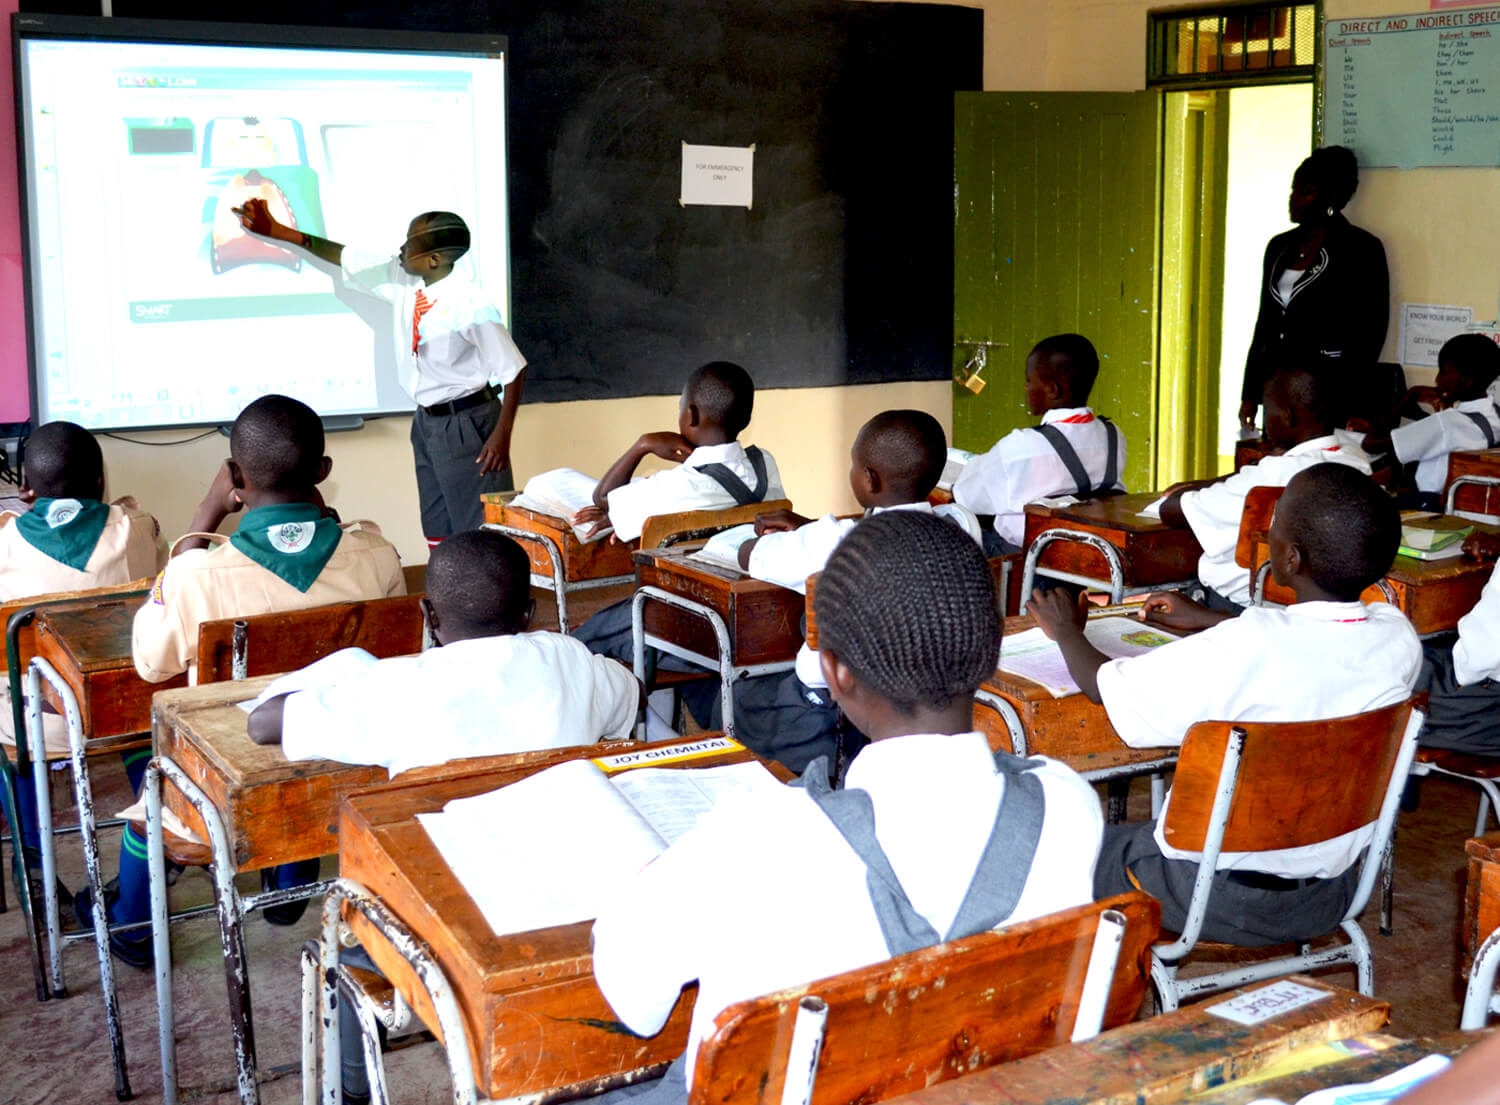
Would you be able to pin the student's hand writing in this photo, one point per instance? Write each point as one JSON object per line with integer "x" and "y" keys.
{"x": 256, "y": 218}
{"x": 778, "y": 521}
{"x": 1247, "y": 414}
{"x": 495, "y": 456}
{"x": 1176, "y": 611}
{"x": 1056, "y": 610}
{"x": 1482, "y": 546}
{"x": 666, "y": 444}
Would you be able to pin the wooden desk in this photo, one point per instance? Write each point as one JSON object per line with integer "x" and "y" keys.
{"x": 764, "y": 621}
{"x": 1481, "y": 894}
{"x": 1161, "y": 1059}
{"x": 1479, "y": 500}
{"x": 536, "y": 1021}
{"x": 1150, "y": 552}
{"x": 89, "y": 645}
{"x": 581, "y": 562}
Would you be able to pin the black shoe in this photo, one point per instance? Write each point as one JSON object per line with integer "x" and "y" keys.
{"x": 134, "y": 950}
{"x": 286, "y": 914}
{"x": 33, "y": 876}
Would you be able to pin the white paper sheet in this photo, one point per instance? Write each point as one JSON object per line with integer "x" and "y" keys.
{"x": 1033, "y": 655}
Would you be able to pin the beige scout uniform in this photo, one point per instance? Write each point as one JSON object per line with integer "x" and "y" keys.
{"x": 204, "y": 585}
{"x": 129, "y": 548}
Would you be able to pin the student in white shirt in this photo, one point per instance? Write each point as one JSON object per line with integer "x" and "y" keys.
{"x": 491, "y": 688}
{"x": 1334, "y": 533}
{"x": 1465, "y": 414}
{"x": 1073, "y": 451}
{"x": 1299, "y": 420}
{"x": 953, "y": 818}
{"x": 896, "y": 461}
{"x": 1462, "y": 673}
{"x": 716, "y": 473}
{"x": 456, "y": 358}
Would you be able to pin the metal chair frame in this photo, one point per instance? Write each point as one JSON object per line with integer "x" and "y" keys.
{"x": 557, "y": 582}
{"x": 1118, "y": 590}
{"x": 1480, "y": 999}
{"x": 1166, "y": 959}
{"x": 1469, "y": 481}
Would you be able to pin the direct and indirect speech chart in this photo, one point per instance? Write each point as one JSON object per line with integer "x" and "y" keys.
{"x": 1414, "y": 90}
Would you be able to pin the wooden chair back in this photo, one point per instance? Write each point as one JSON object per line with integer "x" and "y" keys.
{"x": 1300, "y": 783}
{"x": 416, "y": 578}
{"x": 691, "y": 525}
{"x": 810, "y": 616}
{"x": 295, "y": 638}
{"x": 918, "y": 1019}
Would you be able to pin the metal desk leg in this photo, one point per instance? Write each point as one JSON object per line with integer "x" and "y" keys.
{"x": 44, "y": 837}
{"x": 1094, "y": 541}
{"x": 161, "y": 937}
{"x": 554, "y": 555}
{"x": 83, "y": 792}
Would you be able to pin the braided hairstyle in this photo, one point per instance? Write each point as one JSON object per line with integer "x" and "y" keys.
{"x": 908, "y": 603}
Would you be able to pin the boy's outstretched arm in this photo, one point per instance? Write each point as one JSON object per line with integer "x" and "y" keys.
{"x": 265, "y": 720}
{"x": 1062, "y": 619}
{"x": 256, "y": 218}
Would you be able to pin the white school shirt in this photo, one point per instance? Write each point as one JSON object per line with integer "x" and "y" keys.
{"x": 1306, "y": 662}
{"x": 764, "y": 893}
{"x": 1476, "y": 654}
{"x": 1214, "y": 512}
{"x": 788, "y": 558}
{"x": 1428, "y": 441}
{"x": 482, "y": 697}
{"x": 1022, "y": 467}
{"x": 464, "y": 344}
{"x": 685, "y": 488}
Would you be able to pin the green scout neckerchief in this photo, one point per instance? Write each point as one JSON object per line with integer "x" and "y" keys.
{"x": 64, "y": 529}
{"x": 292, "y": 541}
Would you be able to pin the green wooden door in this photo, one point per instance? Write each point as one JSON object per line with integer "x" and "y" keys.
{"x": 1056, "y": 224}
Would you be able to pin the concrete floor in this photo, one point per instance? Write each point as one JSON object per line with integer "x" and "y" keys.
{"x": 57, "y": 1051}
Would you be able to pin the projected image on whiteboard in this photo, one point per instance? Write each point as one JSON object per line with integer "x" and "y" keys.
{"x": 151, "y": 305}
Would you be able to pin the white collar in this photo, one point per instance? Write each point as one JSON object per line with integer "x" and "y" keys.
{"x": 921, "y": 506}
{"x": 897, "y": 760}
{"x": 731, "y": 452}
{"x": 1068, "y": 414}
{"x": 1325, "y": 611}
{"x": 1328, "y": 443}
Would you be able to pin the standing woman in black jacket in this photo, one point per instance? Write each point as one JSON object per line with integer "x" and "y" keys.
{"x": 1324, "y": 293}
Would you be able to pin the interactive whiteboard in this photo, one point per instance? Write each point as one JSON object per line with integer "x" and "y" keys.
{"x": 1414, "y": 90}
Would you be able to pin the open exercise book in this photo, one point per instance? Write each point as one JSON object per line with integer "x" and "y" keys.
{"x": 552, "y": 848}
{"x": 723, "y": 548}
{"x": 562, "y": 493}
{"x": 1035, "y": 656}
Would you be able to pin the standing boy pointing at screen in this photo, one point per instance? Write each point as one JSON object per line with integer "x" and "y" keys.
{"x": 452, "y": 348}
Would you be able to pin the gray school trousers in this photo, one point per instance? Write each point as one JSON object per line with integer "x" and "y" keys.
{"x": 448, "y": 480}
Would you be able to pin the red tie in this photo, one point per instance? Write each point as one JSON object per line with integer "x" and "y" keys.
{"x": 422, "y": 306}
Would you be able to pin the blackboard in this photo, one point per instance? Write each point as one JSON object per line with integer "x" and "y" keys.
{"x": 841, "y": 272}
{"x": 1414, "y": 90}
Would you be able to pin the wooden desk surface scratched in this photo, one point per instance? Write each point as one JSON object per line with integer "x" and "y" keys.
{"x": 764, "y": 620}
{"x": 1072, "y": 729}
{"x": 1481, "y": 894}
{"x": 274, "y": 810}
{"x": 536, "y": 1020}
{"x": 594, "y": 560}
{"x": 1150, "y": 552}
{"x": 1162, "y": 1059}
{"x": 89, "y": 645}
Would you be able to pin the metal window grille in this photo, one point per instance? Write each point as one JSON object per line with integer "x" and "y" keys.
{"x": 1231, "y": 45}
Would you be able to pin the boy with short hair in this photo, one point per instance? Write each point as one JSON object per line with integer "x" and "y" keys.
{"x": 454, "y": 356}
{"x": 1465, "y": 416}
{"x": 895, "y": 462}
{"x": 491, "y": 688}
{"x": 792, "y": 868}
{"x": 1301, "y": 421}
{"x": 1074, "y": 451}
{"x": 716, "y": 472}
{"x": 1333, "y": 534}
{"x": 1461, "y": 673}
{"x": 70, "y": 540}
{"x": 288, "y": 554}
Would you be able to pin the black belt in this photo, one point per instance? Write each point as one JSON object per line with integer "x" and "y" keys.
{"x": 463, "y": 402}
{"x": 1259, "y": 880}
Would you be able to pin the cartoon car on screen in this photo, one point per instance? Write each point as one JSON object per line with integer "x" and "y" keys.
{"x": 253, "y": 158}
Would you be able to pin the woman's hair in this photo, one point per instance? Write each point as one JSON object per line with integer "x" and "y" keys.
{"x": 1336, "y": 172}
{"x": 908, "y": 603}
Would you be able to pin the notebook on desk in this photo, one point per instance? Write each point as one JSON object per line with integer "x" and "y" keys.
{"x": 1033, "y": 655}
{"x": 562, "y": 493}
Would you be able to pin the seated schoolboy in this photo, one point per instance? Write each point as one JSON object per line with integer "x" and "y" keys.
{"x": 1300, "y": 420}
{"x": 1462, "y": 674}
{"x": 1073, "y": 451}
{"x": 491, "y": 688}
{"x": 896, "y": 461}
{"x": 70, "y": 540}
{"x": 287, "y": 554}
{"x": 1333, "y": 534}
{"x": 716, "y": 472}
{"x": 790, "y": 871}
{"x": 1465, "y": 415}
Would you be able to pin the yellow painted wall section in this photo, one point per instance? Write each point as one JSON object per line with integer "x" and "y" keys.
{"x": 808, "y": 431}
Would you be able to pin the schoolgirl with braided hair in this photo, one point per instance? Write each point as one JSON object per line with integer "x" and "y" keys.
{"x": 908, "y": 628}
